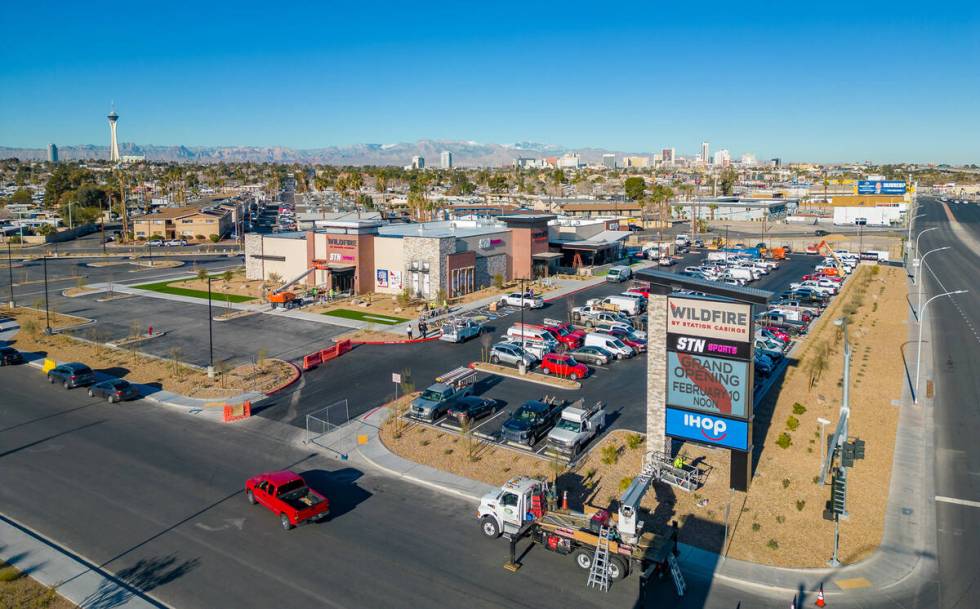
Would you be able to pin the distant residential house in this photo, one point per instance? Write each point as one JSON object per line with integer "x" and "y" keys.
{"x": 184, "y": 223}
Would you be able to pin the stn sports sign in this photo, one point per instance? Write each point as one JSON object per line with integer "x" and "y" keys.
{"x": 709, "y": 319}
{"x": 708, "y": 384}
{"x": 709, "y": 346}
{"x": 708, "y": 429}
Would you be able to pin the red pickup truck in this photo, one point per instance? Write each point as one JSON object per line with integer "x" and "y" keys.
{"x": 286, "y": 495}
{"x": 565, "y": 333}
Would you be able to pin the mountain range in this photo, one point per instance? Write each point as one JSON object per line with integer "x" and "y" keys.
{"x": 465, "y": 153}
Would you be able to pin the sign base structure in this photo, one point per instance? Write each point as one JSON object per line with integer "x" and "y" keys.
{"x": 740, "y": 474}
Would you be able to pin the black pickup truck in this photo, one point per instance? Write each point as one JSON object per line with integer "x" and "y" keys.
{"x": 531, "y": 422}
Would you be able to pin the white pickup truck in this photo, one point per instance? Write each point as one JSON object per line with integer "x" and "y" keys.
{"x": 577, "y": 426}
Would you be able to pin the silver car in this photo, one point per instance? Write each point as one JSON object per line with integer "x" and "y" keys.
{"x": 506, "y": 353}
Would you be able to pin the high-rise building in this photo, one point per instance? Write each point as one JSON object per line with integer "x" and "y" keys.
{"x": 723, "y": 158}
{"x": 609, "y": 161}
{"x": 113, "y": 144}
{"x": 748, "y": 159}
{"x": 776, "y": 162}
{"x": 52, "y": 153}
{"x": 636, "y": 161}
{"x": 446, "y": 159}
{"x": 418, "y": 162}
{"x": 667, "y": 156}
{"x": 705, "y": 153}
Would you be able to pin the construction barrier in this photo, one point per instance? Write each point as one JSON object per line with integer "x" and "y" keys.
{"x": 325, "y": 355}
{"x": 238, "y": 412}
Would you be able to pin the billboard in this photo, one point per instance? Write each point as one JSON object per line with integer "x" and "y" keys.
{"x": 881, "y": 187}
{"x": 709, "y": 318}
{"x": 709, "y": 346}
{"x": 717, "y": 431}
{"x": 708, "y": 384}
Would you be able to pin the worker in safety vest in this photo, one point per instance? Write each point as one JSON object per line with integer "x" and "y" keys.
{"x": 679, "y": 462}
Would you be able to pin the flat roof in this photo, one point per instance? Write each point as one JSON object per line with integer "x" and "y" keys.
{"x": 439, "y": 230}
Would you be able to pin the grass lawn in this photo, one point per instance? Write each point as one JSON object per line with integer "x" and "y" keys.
{"x": 371, "y": 318}
{"x": 165, "y": 288}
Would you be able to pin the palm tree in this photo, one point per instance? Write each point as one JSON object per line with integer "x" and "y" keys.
{"x": 381, "y": 185}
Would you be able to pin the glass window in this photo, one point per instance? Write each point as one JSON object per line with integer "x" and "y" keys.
{"x": 509, "y": 500}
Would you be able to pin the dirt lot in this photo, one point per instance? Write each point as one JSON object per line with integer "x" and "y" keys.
{"x": 137, "y": 368}
{"x": 779, "y": 521}
{"x": 19, "y": 590}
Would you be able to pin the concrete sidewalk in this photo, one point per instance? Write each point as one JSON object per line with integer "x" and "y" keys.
{"x": 79, "y": 580}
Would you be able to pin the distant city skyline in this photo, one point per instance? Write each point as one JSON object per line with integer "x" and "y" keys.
{"x": 877, "y": 86}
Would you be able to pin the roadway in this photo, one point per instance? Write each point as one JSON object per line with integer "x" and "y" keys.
{"x": 955, "y": 344}
{"x": 156, "y": 498}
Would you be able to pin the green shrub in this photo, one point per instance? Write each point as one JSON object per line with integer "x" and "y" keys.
{"x": 772, "y": 544}
{"x": 634, "y": 440}
{"x": 792, "y": 423}
{"x": 498, "y": 281}
{"x": 785, "y": 482}
{"x": 784, "y": 440}
{"x": 215, "y": 238}
{"x": 800, "y": 504}
{"x": 625, "y": 483}
{"x": 798, "y": 408}
{"x": 610, "y": 454}
{"x": 756, "y": 526}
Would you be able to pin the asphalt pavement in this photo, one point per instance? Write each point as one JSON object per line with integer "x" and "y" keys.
{"x": 955, "y": 345}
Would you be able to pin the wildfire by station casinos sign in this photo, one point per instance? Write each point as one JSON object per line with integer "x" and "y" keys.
{"x": 709, "y": 371}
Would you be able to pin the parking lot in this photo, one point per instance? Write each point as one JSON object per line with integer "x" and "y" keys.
{"x": 363, "y": 376}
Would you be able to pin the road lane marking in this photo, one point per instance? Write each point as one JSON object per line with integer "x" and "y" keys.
{"x": 955, "y": 501}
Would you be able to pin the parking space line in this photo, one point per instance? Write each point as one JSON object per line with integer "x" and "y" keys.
{"x": 490, "y": 419}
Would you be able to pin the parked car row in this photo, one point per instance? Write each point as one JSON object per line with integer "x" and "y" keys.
{"x": 733, "y": 268}
{"x": 76, "y": 374}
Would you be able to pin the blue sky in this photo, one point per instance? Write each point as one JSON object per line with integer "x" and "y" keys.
{"x": 803, "y": 81}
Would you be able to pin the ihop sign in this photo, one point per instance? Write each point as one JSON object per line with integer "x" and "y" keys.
{"x": 717, "y": 431}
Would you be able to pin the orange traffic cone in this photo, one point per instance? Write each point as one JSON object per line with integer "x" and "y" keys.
{"x": 564, "y": 500}
{"x": 820, "y": 601}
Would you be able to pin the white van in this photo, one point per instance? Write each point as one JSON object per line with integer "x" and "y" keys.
{"x": 623, "y": 304}
{"x": 533, "y": 333}
{"x": 618, "y": 273}
{"x": 610, "y": 343}
{"x": 745, "y": 274}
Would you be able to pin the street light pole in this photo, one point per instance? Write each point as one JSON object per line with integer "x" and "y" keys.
{"x": 922, "y": 261}
{"x": 47, "y": 312}
{"x": 909, "y": 238}
{"x": 918, "y": 349}
{"x": 210, "y": 335}
{"x": 915, "y": 272}
{"x": 10, "y": 272}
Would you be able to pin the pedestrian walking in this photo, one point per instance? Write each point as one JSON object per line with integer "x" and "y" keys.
{"x": 409, "y": 330}
{"x": 423, "y": 329}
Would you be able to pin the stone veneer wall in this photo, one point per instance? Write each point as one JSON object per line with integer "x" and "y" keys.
{"x": 253, "y": 247}
{"x": 657, "y": 372}
{"x": 487, "y": 267}
{"x": 433, "y": 250}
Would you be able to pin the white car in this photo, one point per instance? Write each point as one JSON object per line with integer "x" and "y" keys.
{"x": 155, "y": 243}
{"x": 175, "y": 242}
{"x": 523, "y": 300}
{"x": 813, "y": 285}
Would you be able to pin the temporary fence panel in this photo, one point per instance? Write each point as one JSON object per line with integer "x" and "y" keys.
{"x": 319, "y": 424}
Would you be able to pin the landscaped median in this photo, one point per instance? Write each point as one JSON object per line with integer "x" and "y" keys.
{"x": 780, "y": 520}
{"x": 168, "y": 287}
{"x": 170, "y": 374}
{"x": 366, "y": 316}
{"x": 531, "y": 377}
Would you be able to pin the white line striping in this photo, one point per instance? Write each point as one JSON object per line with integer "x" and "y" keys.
{"x": 956, "y": 501}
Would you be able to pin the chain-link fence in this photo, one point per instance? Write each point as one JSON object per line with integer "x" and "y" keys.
{"x": 321, "y": 423}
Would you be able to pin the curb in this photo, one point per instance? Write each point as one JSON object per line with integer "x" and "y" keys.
{"x": 527, "y": 377}
{"x": 296, "y": 374}
{"x": 432, "y": 485}
{"x": 396, "y": 342}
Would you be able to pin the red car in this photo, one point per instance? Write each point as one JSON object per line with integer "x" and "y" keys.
{"x": 778, "y": 333}
{"x": 629, "y": 339}
{"x": 565, "y": 333}
{"x": 817, "y": 276}
{"x": 286, "y": 495}
{"x": 563, "y": 365}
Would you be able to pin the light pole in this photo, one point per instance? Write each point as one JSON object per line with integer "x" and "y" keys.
{"x": 845, "y": 407}
{"x": 918, "y": 349}
{"x": 10, "y": 272}
{"x": 210, "y": 335}
{"x": 47, "y": 313}
{"x": 915, "y": 274}
{"x": 922, "y": 262}
{"x": 909, "y": 238}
